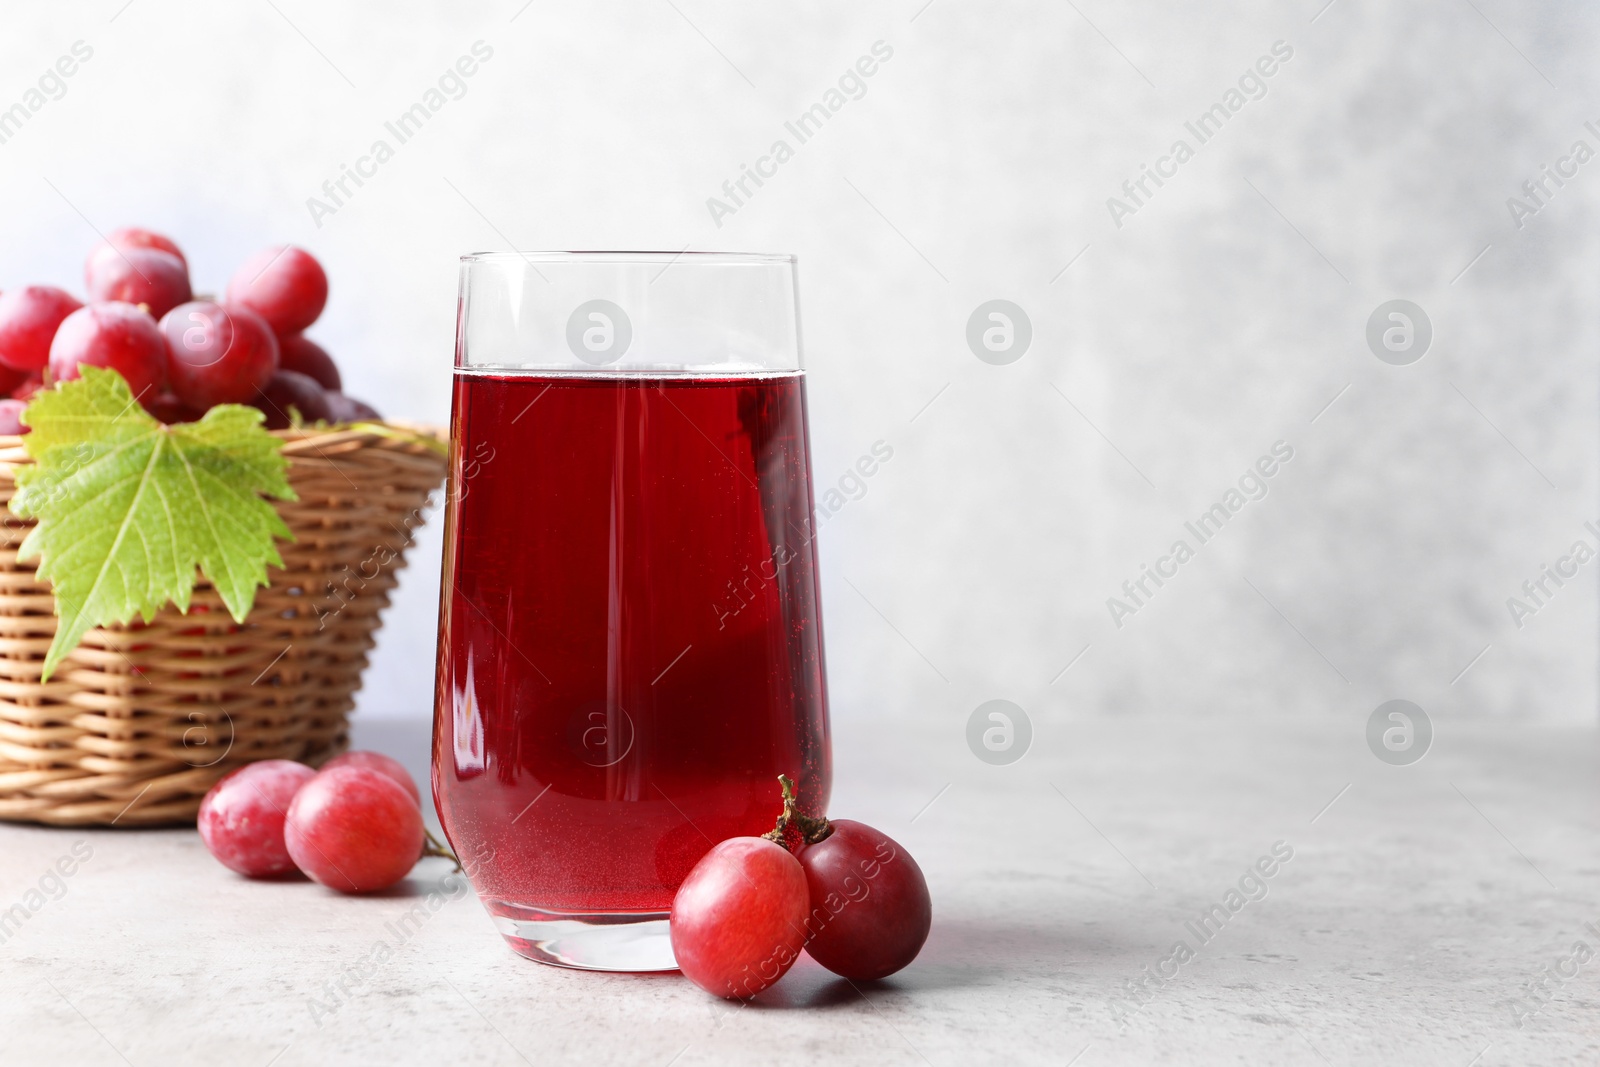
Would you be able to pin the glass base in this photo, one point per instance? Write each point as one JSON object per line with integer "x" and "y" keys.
{"x": 587, "y": 941}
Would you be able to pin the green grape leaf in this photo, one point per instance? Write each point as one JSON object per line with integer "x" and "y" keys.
{"x": 127, "y": 508}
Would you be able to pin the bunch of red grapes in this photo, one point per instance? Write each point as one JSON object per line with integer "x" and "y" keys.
{"x": 355, "y": 826}
{"x": 179, "y": 355}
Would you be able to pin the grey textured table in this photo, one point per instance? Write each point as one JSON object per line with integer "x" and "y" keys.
{"x": 1418, "y": 906}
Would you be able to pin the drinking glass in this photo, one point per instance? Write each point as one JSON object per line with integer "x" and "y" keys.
{"x": 630, "y": 650}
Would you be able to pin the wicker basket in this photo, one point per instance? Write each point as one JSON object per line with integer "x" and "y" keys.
{"x": 136, "y": 724}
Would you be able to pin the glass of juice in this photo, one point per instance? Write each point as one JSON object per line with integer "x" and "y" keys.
{"x": 630, "y": 649}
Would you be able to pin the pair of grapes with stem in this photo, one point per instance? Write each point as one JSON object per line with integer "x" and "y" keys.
{"x": 846, "y": 894}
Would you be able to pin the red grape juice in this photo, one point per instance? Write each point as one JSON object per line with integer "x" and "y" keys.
{"x": 630, "y": 651}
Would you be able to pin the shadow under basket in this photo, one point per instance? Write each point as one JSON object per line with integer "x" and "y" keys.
{"x": 140, "y": 720}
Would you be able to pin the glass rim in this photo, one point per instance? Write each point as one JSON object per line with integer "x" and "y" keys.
{"x": 707, "y": 258}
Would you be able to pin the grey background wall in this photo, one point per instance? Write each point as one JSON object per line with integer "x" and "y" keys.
{"x": 1225, "y": 314}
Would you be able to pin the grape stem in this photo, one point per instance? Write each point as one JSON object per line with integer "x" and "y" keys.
{"x": 811, "y": 830}
{"x": 432, "y": 846}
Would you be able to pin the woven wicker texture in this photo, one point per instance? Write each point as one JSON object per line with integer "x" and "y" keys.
{"x": 137, "y": 723}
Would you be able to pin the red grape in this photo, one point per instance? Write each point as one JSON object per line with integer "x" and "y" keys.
{"x": 738, "y": 921}
{"x": 28, "y": 321}
{"x": 30, "y": 385}
{"x": 299, "y": 353}
{"x": 284, "y": 285}
{"x": 377, "y": 761}
{"x": 12, "y": 379}
{"x": 11, "y": 417}
{"x": 288, "y": 390}
{"x": 241, "y": 818}
{"x": 169, "y": 409}
{"x": 348, "y": 409}
{"x": 119, "y": 336}
{"x": 133, "y": 237}
{"x": 148, "y": 276}
{"x": 136, "y": 237}
{"x": 870, "y": 909}
{"x": 217, "y": 354}
{"x": 354, "y": 829}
